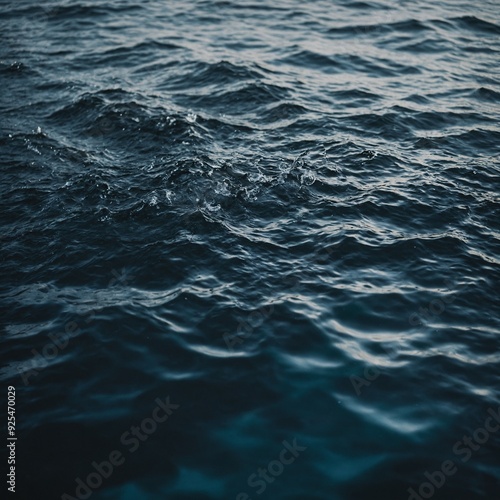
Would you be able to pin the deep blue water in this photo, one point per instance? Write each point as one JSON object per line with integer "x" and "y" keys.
{"x": 282, "y": 216}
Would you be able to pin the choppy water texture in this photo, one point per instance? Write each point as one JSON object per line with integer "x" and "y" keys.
{"x": 282, "y": 215}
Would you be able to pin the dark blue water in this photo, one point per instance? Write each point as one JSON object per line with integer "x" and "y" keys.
{"x": 251, "y": 249}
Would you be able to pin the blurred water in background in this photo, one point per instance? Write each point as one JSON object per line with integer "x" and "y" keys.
{"x": 283, "y": 216}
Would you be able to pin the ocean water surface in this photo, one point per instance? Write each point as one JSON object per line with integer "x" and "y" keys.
{"x": 250, "y": 249}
